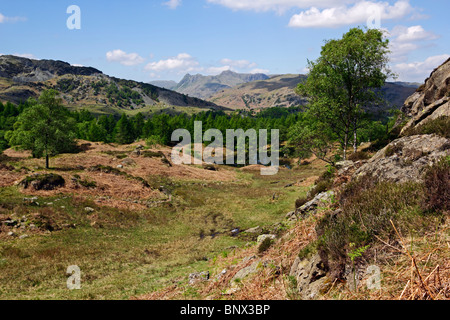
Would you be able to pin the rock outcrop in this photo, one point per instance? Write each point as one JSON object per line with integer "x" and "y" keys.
{"x": 406, "y": 158}
{"x": 311, "y": 277}
{"x": 431, "y": 100}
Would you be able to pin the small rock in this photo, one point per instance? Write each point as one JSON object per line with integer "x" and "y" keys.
{"x": 89, "y": 209}
{"x": 263, "y": 237}
{"x": 120, "y": 166}
{"x": 220, "y": 275}
{"x": 11, "y": 234}
{"x": 24, "y": 236}
{"x": 10, "y": 223}
{"x": 198, "y": 277}
{"x": 244, "y": 272}
{"x": 257, "y": 229}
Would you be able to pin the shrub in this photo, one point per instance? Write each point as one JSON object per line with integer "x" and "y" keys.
{"x": 323, "y": 184}
{"x": 437, "y": 187}
{"x": 300, "y": 202}
{"x": 265, "y": 245}
{"x": 439, "y": 126}
{"x": 152, "y": 154}
{"x": 360, "y": 155}
{"x": 367, "y": 210}
{"x": 393, "y": 149}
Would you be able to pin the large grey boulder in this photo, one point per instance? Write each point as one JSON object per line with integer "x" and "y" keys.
{"x": 405, "y": 159}
{"x": 431, "y": 100}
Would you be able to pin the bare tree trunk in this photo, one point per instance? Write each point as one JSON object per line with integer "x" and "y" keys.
{"x": 47, "y": 164}
{"x": 355, "y": 141}
{"x": 345, "y": 145}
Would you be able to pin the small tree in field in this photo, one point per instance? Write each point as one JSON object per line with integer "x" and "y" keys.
{"x": 342, "y": 80}
{"x": 45, "y": 128}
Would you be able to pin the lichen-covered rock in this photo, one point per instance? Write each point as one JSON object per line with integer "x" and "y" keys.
{"x": 406, "y": 158}
{"x": 311, "y": 207}
{"x": 37, "y": 182}
{"x": 431, "y": 100}
{"x": 198, "y": 277}
{"x": 311, "y": 275}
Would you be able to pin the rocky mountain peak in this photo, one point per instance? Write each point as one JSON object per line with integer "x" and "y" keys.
{"x": 431, "y": 100}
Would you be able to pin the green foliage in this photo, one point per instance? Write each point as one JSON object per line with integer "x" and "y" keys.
{"x": 123, "y": 96}
{"x": 67, "y": 85}
{"x": 124, "y": 131}
{"x": 367, "y": 210}
{"x": 312, "y": 139}
{"x": 342, "y": 81}
{"x": 45, "y": 128}
{"x": 356, "y": 252}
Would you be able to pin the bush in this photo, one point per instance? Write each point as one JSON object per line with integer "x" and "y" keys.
{"x": 393, "y": 149}
{"x": 360, "y": 155}
{"x": 323, "y": 184}
{"x": 152, "y": 154}
{"x": 265, "y": 245}
{"x": 300, "y": 202}
{"x": 437, "y": 187}
{"x": 439, "y": 126}
{"x": 367, "y": 210}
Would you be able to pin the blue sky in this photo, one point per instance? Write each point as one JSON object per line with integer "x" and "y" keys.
{"x": 165, "y": 39}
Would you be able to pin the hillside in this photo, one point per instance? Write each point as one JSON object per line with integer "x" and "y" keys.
{"x": 205, "y": 86}
{"x": 376, "y": 228}
{"x": 88, "y": 88}
{"x": 278, "y": 91}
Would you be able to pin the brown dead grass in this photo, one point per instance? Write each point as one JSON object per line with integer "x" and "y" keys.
{"x": 111, "y": 190}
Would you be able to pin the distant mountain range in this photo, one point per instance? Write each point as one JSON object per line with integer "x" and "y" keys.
{"x": 89, "y": 88}
{"x": 204, "y": 87}
{"x": 279, "y": 91}
{"x": 236, "y": 91}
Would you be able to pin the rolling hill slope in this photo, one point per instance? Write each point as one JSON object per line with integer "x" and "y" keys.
{"x": 88, "y": 88}
{"x": 279, "y": 91}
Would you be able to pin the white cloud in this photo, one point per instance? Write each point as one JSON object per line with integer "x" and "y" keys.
{"x": 4, "y": 19}
{"x": 217, "y": 70}
{"x": 342, "y": 15}
{"x": 126, "y": 59}
{"x": 277, "y": 5}
{"x": 173, "y": 4}
{"x": 240, "y": 64}
{"x": 258, "y": 70}
{"x": 182, "y": 63}
{"x": 404, "y": 40}
{"x": 420, "y": 70}
{"x": 414, "y": 33}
